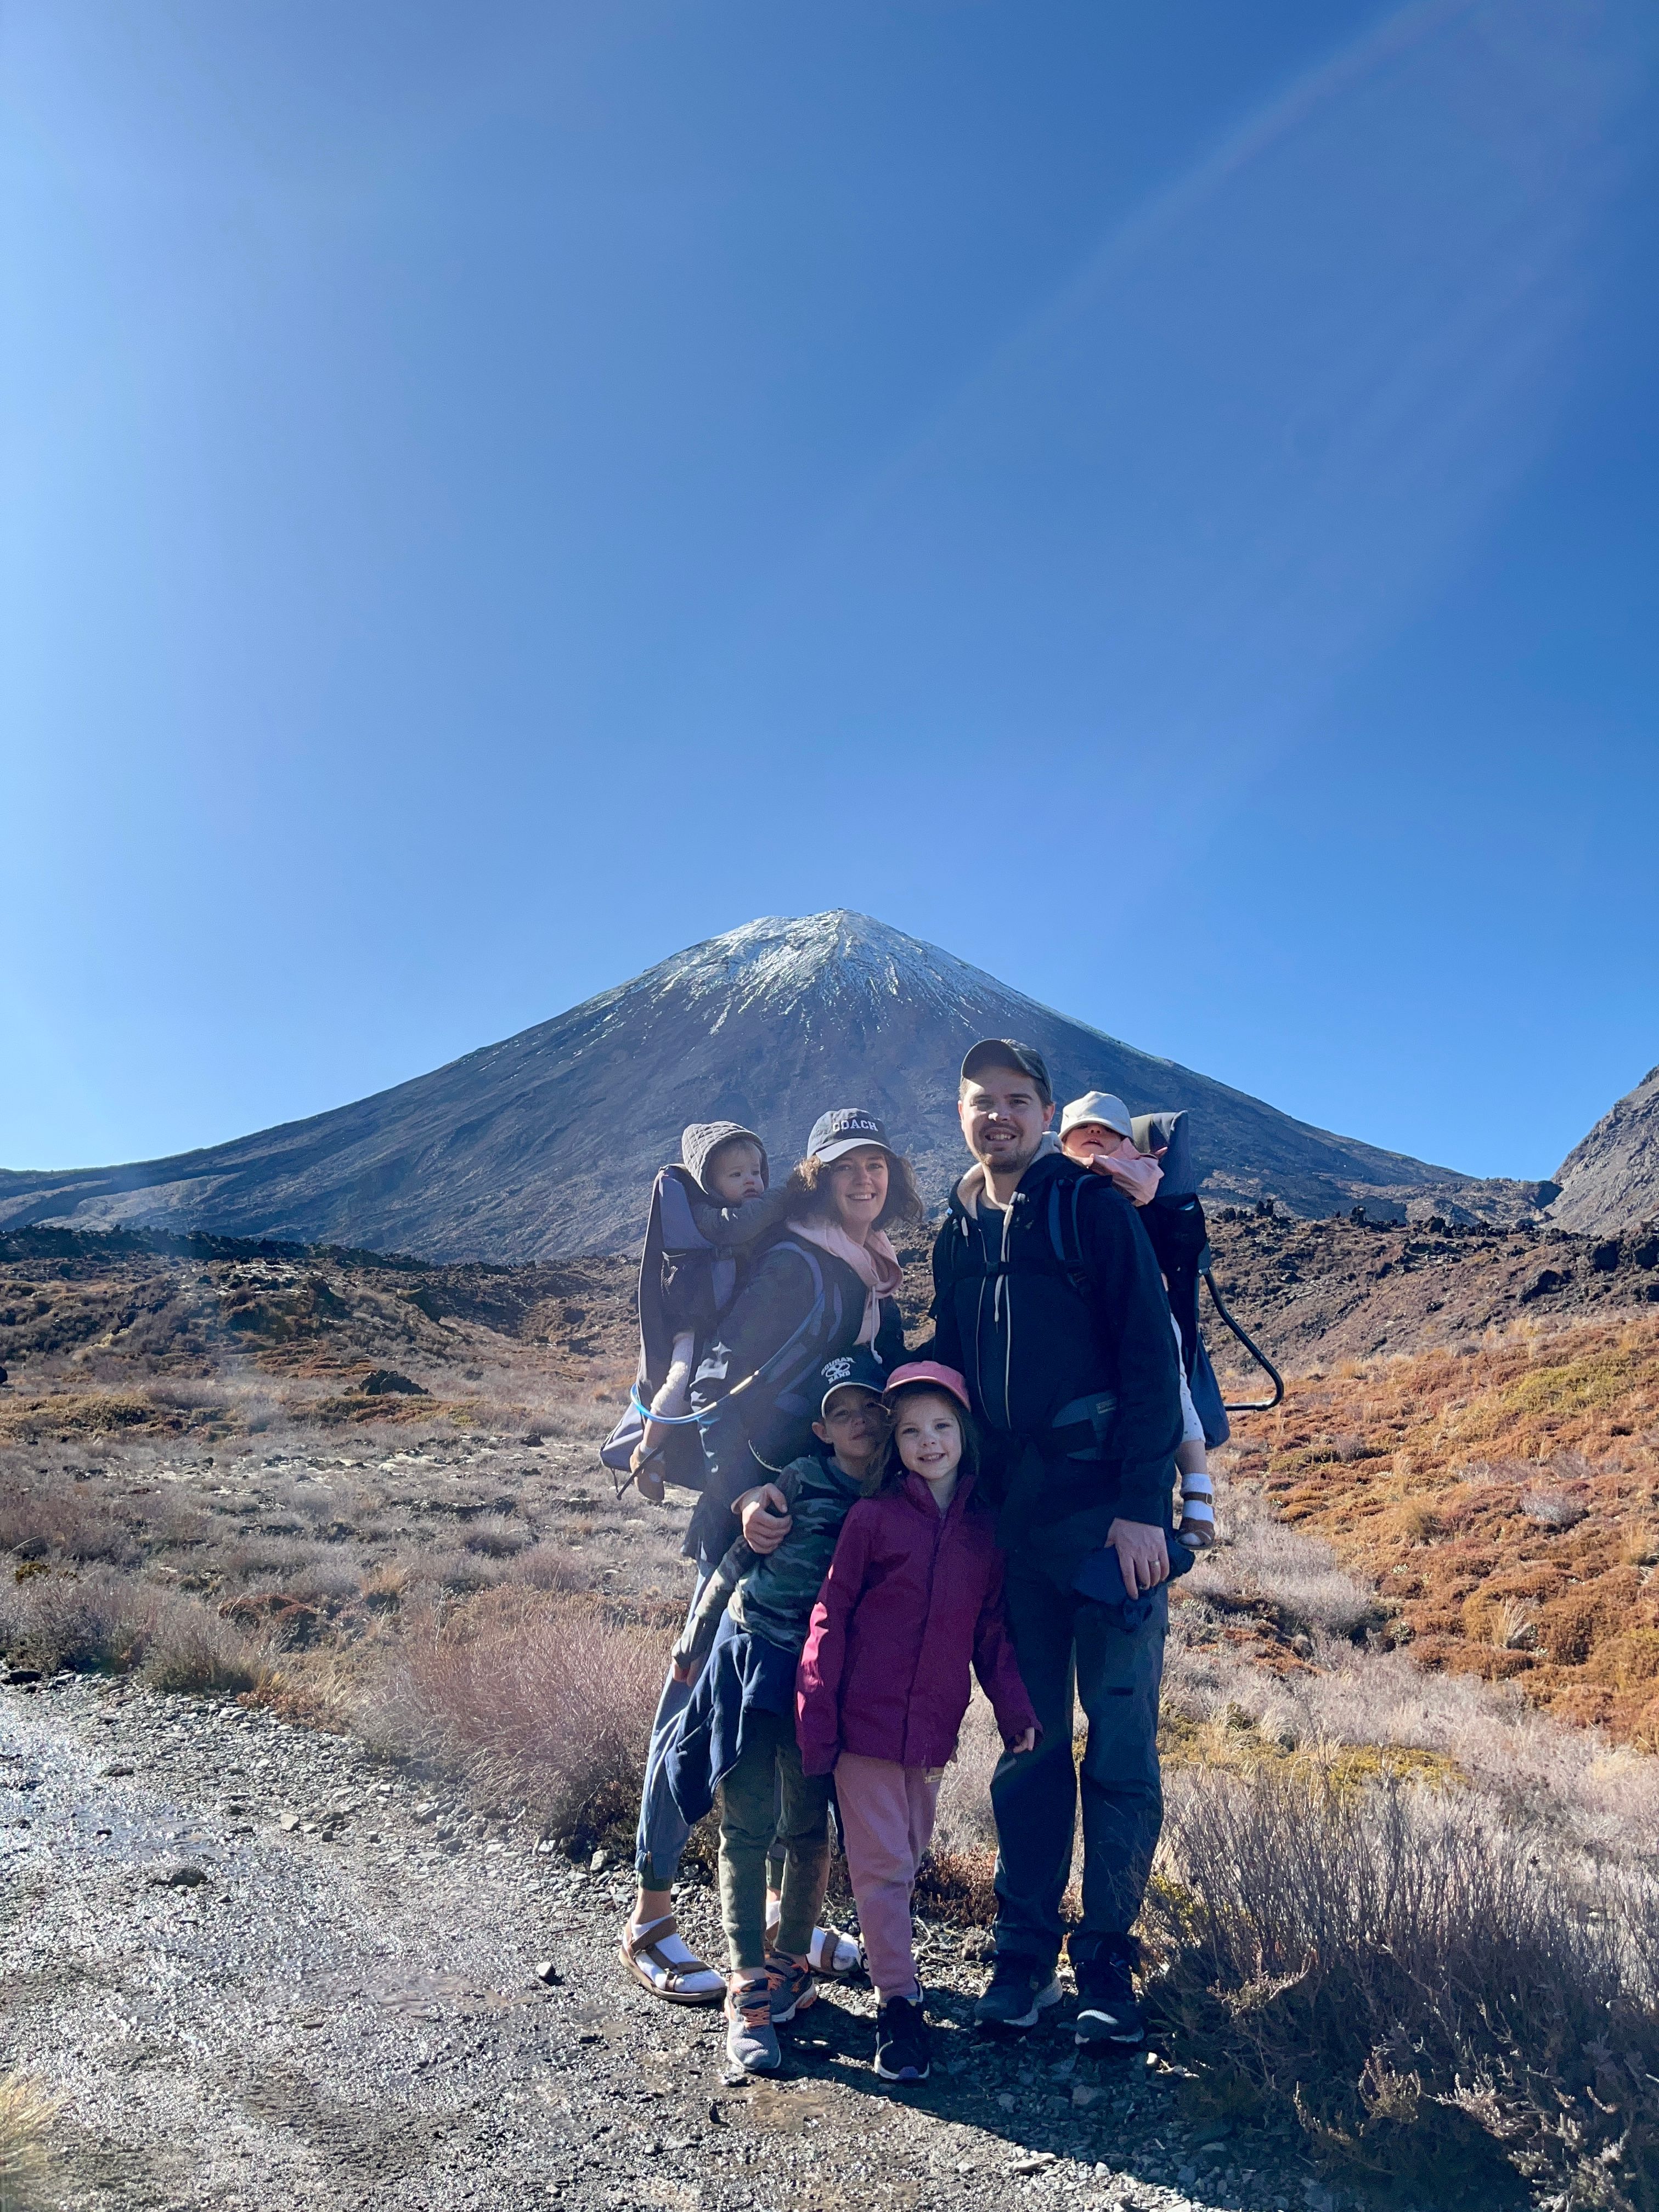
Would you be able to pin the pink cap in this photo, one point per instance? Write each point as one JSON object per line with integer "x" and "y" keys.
{"x": 929, "y": 1370}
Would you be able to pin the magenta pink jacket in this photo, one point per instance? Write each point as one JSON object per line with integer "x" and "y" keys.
{"x": 912, "y": 1597}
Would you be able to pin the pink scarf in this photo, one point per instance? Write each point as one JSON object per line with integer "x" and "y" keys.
{"x": 874, "y": 1262}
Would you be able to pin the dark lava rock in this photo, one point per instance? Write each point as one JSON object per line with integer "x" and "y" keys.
{"x": 386, "y": 1383}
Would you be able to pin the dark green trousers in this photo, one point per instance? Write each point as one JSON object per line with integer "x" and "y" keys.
{"x": 766, "y": 1799}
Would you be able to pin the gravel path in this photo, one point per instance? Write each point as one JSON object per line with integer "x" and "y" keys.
{"x": 267, "y": 1967}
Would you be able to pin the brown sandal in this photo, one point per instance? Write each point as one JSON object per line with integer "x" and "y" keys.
{"x": 660, "y": 1960}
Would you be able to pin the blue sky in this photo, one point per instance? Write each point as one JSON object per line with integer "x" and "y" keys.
{"x": 1157, "y": 500}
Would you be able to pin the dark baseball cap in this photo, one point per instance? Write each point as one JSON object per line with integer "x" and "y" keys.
{"x": 1004, "y": 1052}
{"x": 857, "y": 1369}
{"x": 843, "y": 1129}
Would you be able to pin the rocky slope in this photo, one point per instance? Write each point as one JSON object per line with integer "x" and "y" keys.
{"x": 139, "y": 1331}
{"x": 544, "y": 1145}
{"x": 1611, "y": 1181}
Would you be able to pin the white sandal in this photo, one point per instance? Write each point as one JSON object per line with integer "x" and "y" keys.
{"x": 661, "y": 1960}
{"x": 1197, "y": 1530}
{"x": 829, "y": 1952}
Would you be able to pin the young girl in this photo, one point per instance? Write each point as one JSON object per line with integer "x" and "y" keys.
{"x": 912, "y": 1597}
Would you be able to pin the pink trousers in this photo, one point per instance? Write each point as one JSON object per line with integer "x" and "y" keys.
{"x": 886, "y": 1820}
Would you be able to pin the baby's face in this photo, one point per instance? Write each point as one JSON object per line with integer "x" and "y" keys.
{"x": 735, "y": 1176}
{"x": 1092, "y": 1140}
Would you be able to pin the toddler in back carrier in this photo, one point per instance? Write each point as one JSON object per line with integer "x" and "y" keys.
{"x": 708, "y": 1211}
{"x": 1095, "y": 1132}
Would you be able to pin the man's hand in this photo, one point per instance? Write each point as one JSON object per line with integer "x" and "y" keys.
{"x": 1026, "y": 1740}
{"x": 765, "y": 1518}
{"x": 1142, "y": 1554}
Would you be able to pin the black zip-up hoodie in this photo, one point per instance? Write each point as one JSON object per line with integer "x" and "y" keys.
{"x": 1034, "y": 1336}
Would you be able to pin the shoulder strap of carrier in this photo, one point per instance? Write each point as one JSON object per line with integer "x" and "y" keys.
{"x": 1057, "y": 1251}
{"x": 783, "y": 1371}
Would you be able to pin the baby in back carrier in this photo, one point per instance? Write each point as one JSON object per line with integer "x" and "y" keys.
{"x": 707, "y": 1211}
{"x": 1097, "y": 1132}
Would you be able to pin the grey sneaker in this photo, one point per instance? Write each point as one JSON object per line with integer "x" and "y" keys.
{"x": 1020, "y": 1990}
{"x": 751, "y": 2041}
{"x": 794, "y": 1989}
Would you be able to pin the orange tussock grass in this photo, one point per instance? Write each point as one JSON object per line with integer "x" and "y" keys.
{"x": 1505, "y": 1499}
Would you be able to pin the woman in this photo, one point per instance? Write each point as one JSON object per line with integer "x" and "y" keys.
{"x": 828, "y": 1284}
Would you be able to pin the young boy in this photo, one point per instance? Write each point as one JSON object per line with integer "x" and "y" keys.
{"x": 738, "y": 1737}
{"x": 1095, "y": 1131}
{"x": 705, "y": 1216}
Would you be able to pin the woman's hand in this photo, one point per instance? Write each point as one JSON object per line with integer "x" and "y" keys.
{"x": 681, "y": 1669}
{"x": 1026, "y": 1740}
{"x": 764, "y": 1517}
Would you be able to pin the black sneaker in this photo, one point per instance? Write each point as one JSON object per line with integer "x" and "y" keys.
{"x": 901, "y": 2053}
{"x": 1020, "y": 1988}
{"x": 1107, "y": 2011}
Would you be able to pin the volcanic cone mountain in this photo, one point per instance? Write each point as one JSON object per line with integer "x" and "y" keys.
{"x": 545, "y": 1145}
{"x": 1611, "y": 1180}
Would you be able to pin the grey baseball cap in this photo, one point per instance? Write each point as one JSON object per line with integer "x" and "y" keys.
{"x": 1005, "y": 1052}
{"x": 843, "y": 1129}
{"x": 1096, "y": 1106}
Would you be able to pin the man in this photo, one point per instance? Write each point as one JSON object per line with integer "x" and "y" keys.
{"x": 1047, "y": 1297}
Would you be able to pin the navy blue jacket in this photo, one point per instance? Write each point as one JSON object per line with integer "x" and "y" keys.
{"x": 1044, "y": 1329}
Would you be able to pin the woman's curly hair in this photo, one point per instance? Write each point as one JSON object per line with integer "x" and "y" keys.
{"x": 809, "y": 1182}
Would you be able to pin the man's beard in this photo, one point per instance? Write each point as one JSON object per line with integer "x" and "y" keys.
{"x": 1010, "y": 1159}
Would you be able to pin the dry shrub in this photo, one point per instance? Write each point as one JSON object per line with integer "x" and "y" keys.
{"x": 325, "y": 1579}
{"x": 963, "y": 1826}
{"x": 187, "y": 1647}
{"x": 27, "y": 2110}
{"x": 553, "y": 1567}
{"x": 254, "y": 1558}
{"x": 497, "y": 1536}
{"x": 88, "y": 1621}
{"x": 102, "y": 1620}
{"x": 543, "y": 1701}
{"x": 450, "y": 1568}
{"x": 186, "y": 1394}
{"x": 43, "y": 1518}
{"x": 1445, "y": 1999}
{"x": 1281, "y": 1572}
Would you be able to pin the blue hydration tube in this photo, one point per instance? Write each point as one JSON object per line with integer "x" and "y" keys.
{"x": 668, "y": 1420}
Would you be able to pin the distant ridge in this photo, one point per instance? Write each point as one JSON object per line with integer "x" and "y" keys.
{"x": 544, "y": 1145}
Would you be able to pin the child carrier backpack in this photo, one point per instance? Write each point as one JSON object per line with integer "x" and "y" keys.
{"x": 681, "y": 1270}
{"x": 787, "y": 1382}
{"x": 1174, "y": 1222}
